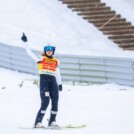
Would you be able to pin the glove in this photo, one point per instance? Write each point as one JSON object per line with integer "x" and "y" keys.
{"x": 24, "y": 37}
{"x": 60, "y": 87}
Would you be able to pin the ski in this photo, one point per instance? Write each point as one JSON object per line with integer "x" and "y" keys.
{"x": 57, "y": 127}
{"x": 75, "y": 126}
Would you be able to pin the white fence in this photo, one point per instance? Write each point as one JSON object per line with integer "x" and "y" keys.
{"x": 89, "y": 69}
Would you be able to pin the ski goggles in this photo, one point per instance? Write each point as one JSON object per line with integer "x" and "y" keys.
{"x": 49, "y": 48}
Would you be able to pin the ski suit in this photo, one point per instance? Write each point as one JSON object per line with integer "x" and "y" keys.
{"x": 49, "y": 80}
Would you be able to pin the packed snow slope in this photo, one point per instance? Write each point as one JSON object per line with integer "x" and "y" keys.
{"x": 104, "y": 109}
{"x": 49, "y": 21}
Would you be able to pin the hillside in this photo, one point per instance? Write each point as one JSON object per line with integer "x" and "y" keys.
{"x": 51, "y": 22}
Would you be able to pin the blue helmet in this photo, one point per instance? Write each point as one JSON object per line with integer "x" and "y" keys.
{"x": 49, "y": 48}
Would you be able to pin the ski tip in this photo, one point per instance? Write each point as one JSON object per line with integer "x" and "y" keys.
{"x": 75, "y": 126}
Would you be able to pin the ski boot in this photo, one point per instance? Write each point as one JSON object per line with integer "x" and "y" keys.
{"x": 39, "y": 125}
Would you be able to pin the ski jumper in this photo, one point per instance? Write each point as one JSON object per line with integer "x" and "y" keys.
{"x": 49, "y": 80}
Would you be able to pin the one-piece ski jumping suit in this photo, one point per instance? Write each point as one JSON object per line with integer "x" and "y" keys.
{"x": 49, "y": 80}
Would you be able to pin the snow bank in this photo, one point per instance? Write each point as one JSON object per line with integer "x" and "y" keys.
{"x": 105, "y": 109}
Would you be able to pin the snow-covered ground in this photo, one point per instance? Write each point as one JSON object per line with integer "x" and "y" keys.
{"x": 49, "y": 21}
{"x": 104, "y": 109}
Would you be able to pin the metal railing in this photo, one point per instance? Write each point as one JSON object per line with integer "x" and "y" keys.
{"x": 88, "y": 69}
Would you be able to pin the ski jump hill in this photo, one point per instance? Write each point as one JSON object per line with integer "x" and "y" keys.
{"x": 75, "y": 68}
{"x": 110, "y": 23}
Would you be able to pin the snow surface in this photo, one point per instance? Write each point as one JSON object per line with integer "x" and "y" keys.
{"x": 104, "y": 109}
{"x": 49, "y": 21}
